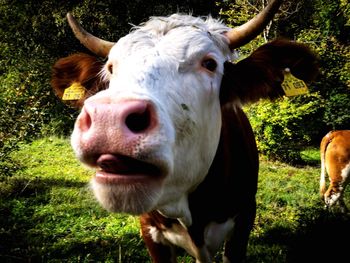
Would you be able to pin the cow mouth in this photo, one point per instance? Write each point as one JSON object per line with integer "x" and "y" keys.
{"x": 115, "y": 169}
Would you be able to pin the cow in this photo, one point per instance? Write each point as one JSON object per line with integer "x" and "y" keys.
{"x": 335, "y": 161}
{"x": 162, "y": 124}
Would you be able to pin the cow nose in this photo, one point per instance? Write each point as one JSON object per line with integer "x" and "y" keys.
{"x": 130, "y": 117}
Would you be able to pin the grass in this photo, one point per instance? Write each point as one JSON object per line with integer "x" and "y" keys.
{"x": 48, "y": 214}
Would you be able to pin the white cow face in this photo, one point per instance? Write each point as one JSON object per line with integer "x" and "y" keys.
{"x": 152, "y": 135}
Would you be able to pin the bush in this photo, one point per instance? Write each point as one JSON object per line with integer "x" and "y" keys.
{"x": 30, "y": 109}
{"x": 283, "y": 128}
{"x": 338, "y": 103}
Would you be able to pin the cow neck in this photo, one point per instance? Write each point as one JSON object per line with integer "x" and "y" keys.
{"x": 178, "y": 209}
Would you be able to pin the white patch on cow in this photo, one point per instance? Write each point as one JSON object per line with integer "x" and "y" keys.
{"x": 179, "y": 236}
{"x": 345, "y": 173}
{"x": 180, "y": 207}
{"x": 176, "y": 235}
{"x": 161, "y": 62}
{"x": 157, "y": 235}
{"x": 333, "y": 198}
{"x": 214, "y": 236}
{"x": 133, "y": 199}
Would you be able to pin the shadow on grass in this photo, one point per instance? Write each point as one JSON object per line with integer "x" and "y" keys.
{"x": 15, "y": 187}
{"x": 70, "y": 235}
{"x": 129, "y": 249}
{"x": 20, "y": 197}
{"x": 324, "y": 239}
{"x": 322, "y": 236}
{"x": 312, "y": 163}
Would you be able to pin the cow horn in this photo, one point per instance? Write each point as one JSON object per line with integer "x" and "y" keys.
{"x": 96, "y": 45}
{"x": 241, "y": 35}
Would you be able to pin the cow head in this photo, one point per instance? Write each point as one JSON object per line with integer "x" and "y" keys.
{"x": 151, "y": 122}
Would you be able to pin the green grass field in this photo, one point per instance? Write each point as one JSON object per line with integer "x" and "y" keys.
{"x": 48, "y": 214}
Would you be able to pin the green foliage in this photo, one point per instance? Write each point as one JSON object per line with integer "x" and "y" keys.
{"x": 334, "y": 80}
{"x": 26, "y": 101}
{"x": 338, "y": 103}
{"x": 275, "y": 125}
{"x": 27, "y": 106}
{"x": 332, "y": 17}
{"x": 236, "y": 13}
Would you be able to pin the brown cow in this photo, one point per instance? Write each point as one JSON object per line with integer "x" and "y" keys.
{"x": 162, "y": 123}
{"x": 335, "y": 161}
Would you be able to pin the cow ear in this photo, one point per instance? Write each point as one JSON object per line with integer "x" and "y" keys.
{"x": 77, "y": 77}
{"x": 261, "y": 74}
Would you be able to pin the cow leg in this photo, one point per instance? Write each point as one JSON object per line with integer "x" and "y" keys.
{"x": 236, "y": 245}
{"x": 159, "y": 249}
{"x": 335, "y": 199}
{"x": 332, "y": 195}
{"x": 159, "y": 252}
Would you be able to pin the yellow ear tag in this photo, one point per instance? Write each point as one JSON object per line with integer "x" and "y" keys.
{"x": 74, "y": 92}
{"x": 293, "y": 86}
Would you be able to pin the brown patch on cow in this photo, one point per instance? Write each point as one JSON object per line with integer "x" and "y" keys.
{"x": 232, "y": 178}
{"x": 81, "y": 68}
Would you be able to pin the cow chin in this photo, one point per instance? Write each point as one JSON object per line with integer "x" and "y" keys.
{"x": 133, "y": 199}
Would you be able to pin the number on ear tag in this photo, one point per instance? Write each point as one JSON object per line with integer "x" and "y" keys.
{"x": 74, "y": 92}
{"x": 293, "y": 86}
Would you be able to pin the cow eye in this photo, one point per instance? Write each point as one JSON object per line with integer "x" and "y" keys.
{"x": 210, "y": 64}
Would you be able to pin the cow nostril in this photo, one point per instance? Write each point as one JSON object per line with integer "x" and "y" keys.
{"x": 84, "y": 121}
{"x": 139, "y": 121}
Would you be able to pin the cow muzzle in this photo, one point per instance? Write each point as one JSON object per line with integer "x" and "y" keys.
{"x": 127, "y": 143}
{"x": 120, "y": 140}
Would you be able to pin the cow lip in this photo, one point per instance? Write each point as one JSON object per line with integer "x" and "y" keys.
{"x": 113, "y": 168}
